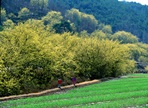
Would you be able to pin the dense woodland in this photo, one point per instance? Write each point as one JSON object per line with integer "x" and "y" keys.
{"x": 43, "y": 40}
{"x": 130, "y": 17}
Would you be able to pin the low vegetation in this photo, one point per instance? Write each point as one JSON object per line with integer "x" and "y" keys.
{"x": 117, "y": 93}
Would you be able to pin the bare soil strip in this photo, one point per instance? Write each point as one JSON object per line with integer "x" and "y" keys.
{"x": 49, "y": 91}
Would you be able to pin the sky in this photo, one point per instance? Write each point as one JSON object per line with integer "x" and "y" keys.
{"x": 143, "y": 2}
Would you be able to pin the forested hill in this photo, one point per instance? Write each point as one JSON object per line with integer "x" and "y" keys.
{"x": 130, "y": 17}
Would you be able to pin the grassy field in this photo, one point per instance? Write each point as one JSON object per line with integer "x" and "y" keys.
{"x": 129, "y": 92}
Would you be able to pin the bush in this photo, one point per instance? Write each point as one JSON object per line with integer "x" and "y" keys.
{"x": 8, "y": 85}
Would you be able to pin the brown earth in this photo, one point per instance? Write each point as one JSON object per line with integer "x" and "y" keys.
{"x": 49, "y": 91}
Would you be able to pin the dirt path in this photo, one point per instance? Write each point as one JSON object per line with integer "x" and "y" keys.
{"x": 49, "y": 91}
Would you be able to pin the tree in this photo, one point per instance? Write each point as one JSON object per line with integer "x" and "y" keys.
{"x": 1, "y": 28}
{"x": 63, "y": 50}
{"x": 111, "y": 12}
{"x": 144, "y": 50}
{"x": 125, "y": 37}
{"x": 12, "y": 16}
{"x": 62, "y": 27}
{"x": 3, "y": 16}
{"x": 52, "y": 18}
{"x": 8, "y": 24}
{"x": 24, "y": 13}
{"x": 81, "y": 20}
{"x": 84, "y": 34}
{"x": 39, "y": 4}
{"x": 26, "y": 59}
{"x": 107, "y": 29}
{"x": 99, "y": 34}
{"x": 102, "y": 58}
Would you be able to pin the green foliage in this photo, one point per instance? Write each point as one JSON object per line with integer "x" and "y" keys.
{"x": 146, "y": 68}
{"x": 62, "y": 27}
{"x": 81, "y": 20}
{"x": 24, "y": 13}
{"x": 64, "y": 51}
{"x": 144, "y": 53}
{"x": 83, "y": 33}
{"x": 1, "y": 28}
{"x": 107, "y": 29}
{"x": 12, "y": 16}
{"x": 24, "y": 57}
{"x": 52, "y": 18}
{"x": 136, "y": 52}
{"x": 8, "y": 24}
{"x": 139, "y": 52}
{"x": 99, "y": 59}
{"x": 130, "y": 17}
{"x": 125, "y": 37}
{"x": 8, "y": 85}
{"x": 99, "y": 34}
{"x": 32, "y": 57}
{"x": 39, "y": 4}
{"x": 53, "y": 22}
{"x": 3, "y": 15}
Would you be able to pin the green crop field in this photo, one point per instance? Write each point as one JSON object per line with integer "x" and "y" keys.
{"x": 127, "y": 92}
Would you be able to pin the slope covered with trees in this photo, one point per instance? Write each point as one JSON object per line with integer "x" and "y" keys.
{"x": 130, "y": 17}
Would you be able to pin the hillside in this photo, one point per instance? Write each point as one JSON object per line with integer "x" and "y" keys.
{"x": 130, "y": 17}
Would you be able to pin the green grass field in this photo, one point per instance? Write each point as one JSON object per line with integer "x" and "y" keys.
{"x": 118, "y": 93}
